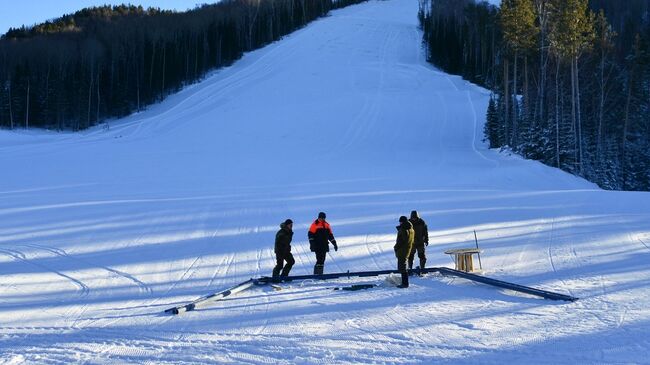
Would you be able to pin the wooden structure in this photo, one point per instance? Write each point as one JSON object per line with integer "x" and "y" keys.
{"x": 463, "y": 258}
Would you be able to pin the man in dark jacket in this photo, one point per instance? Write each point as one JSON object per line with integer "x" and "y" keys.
{"x": 283, "y": 250}
{"x": 421, "y": 239}
{"x": 403, "y": 247}
{"x": 320, "y": 235}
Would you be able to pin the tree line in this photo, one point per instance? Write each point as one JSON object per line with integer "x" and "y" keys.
{"x": 103, "y": 62}
{"x": 570, "y": 79}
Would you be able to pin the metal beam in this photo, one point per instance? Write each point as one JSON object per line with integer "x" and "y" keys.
{"x": 268, "y": 279}
{"x": 503, "y": 284}
{"x": 211, "y": 298}
{"x": 443, "y": 270}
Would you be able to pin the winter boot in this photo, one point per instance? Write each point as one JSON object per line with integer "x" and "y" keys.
{"x": 405, "y": 281}
{"x": 318, "y": 269}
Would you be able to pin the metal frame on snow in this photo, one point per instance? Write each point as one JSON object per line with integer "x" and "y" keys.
{"x": 443, "y": 270}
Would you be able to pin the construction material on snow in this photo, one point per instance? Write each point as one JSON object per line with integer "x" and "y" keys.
{"x": 503, "y": 284}
{"x": 463, "y": 258}
{"x": 356, "y": 287}
{"x": 211, "y": 298}
{"x": 347, "y": 274}
{"x": 443, "y": 270}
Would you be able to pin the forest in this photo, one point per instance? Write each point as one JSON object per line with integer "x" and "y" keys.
{"x": 570, "y": 79}
{"x": 105, "y": 62}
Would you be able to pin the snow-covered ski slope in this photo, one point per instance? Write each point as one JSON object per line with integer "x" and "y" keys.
{"x": 103, "y": 230}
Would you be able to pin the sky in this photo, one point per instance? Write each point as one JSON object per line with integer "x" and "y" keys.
{"x": 30, "y": 12}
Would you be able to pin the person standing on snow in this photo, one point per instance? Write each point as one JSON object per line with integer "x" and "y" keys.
{"x": 283, "y": 250}
{"x": 421, "y": 239}
{"x": 403, "y": 247}
{"x": 320, "y": 234}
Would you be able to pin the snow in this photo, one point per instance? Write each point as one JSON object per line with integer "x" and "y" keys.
{"x": 101, "y": 231}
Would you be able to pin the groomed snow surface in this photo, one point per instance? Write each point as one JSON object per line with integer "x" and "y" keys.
{"x": 101, "y": 231}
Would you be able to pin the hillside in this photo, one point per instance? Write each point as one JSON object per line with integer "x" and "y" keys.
{"x": 100, "y": 63}
{"x": 104, "y": 229}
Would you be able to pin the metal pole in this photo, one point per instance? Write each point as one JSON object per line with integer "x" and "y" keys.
{"x": 479, "y": 253}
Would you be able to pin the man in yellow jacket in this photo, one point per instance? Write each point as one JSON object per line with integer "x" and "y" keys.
{"x": 403, "y": 247}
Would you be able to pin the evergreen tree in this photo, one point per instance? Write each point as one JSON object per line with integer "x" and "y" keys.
{"x": 492, "y": 125}
{"x": 519, "y": 32}
{"x": 572, "y": 33}
{"x": 604, "y": 47}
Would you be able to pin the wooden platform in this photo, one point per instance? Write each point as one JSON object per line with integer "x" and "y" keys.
{"x": 463, "y": 258}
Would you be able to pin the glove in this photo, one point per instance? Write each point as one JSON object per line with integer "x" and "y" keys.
{"x": 336, "y": 248}
{"x": 426, "y": 243}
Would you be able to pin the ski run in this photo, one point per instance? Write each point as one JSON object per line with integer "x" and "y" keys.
{"x": 101, "y": 231}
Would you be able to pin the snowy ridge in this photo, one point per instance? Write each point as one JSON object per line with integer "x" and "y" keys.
{"x": 103, "y": 230}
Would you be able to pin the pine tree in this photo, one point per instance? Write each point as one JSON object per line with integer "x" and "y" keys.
{"x": 572, "y": 33}
{"x": 519, "y": 32}
{"x": 631, "y": 105}
{"x": 604, "y": 46}
{"x": 492, "y": 125}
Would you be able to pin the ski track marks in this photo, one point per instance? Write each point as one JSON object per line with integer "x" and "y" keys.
{"x": 83, "y": 289}
{"x": 143, "y": 287}
{"x": 218, "y": 89}
{"x": 372, "y": 252}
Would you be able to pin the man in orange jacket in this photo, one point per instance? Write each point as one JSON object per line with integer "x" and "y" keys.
{"x": 320, "y": 235}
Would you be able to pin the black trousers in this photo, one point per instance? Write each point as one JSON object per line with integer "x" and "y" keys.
{"x": 401, "y": 264}
{"x": 280, "y": 258}
{"x": 320, "y": 262}
{"x": 320, "y": 257}
{"x": 401, "y": 267}
{"x": 421, "y": 254}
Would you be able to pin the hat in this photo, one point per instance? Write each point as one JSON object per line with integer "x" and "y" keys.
{"x": 414, "y": 214}
{"x": 321, "y": 215}
{"x": 403, "y": 219}
{"x": 288, "y": 222}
